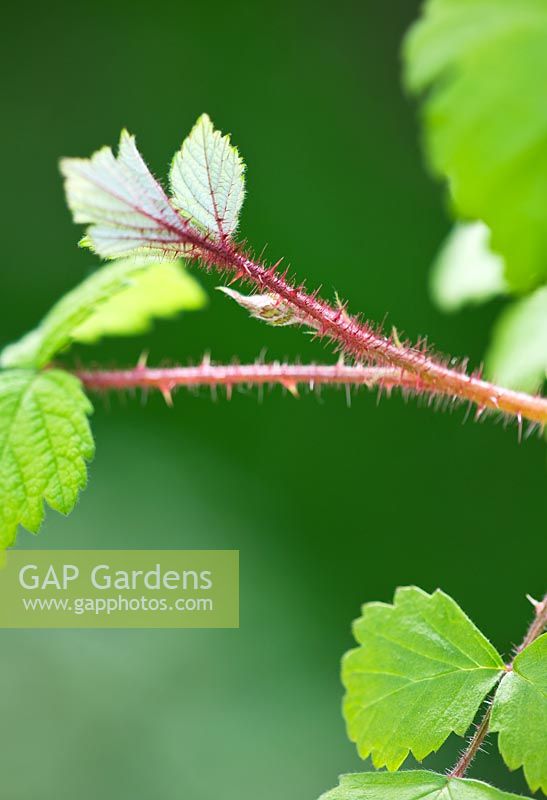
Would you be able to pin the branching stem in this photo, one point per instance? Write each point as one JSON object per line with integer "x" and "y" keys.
{"x": 536, "y": 628}
{"x": 364, "y": 342}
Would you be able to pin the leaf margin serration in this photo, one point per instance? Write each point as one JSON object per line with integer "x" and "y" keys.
{"x": 45, "y": 445}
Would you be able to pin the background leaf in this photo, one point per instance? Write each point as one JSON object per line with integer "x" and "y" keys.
{"x": 486, "y": 119}
{"x": 207, "y": 179}
{"x": 160, "y": 291}
{"x": 517, "y": 356}
{"x": 45, "y": 441}
{"x": 421, "y": 671}
{"x": 520, "y": 714}
{"x": 415, "y": 785}
{"x": 466, "y": 270}
{"x": 120, "y": 299}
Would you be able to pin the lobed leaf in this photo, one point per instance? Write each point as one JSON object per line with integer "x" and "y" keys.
{"x": 120, "y": 299}
{"x": 486, "y": 119}
{"x": 207, "y": 180}
{"x": 45, "y": 441}
{"x": 466, "y": 270}
{"x": 420, "y": 672}
{"x": 517, "y": 357}
{"x": 519, "y": 714}
{"x": 129, "y": 212}
{"x": 415, "y": 785}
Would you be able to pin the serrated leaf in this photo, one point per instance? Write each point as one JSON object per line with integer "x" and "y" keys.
{"x": 420, "y": 672}
{"x": 129, "y": 212}
{"x": 486, "y": 119}
{"x": 207, "y": 180}
{"x": 519, "y": 714}
{"x": 466, "y": 270}
{"x": 415, "y": 785}
{"x": 45, "y": 441}
{"x": 119, "y": 299}
{"x": 517, "y": 357}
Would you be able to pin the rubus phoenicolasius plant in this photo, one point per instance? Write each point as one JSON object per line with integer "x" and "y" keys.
{"x": 422, "y": 671}
{"x": 150, "y": 236}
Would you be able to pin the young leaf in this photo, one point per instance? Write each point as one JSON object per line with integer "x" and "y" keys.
{"x": 520, "y": 714}
{"x": 415, "y": 785}
{"x": 421, "y": 671}
{"x": 120, "y": 299}
{"x": 207, "y": 180}
{"x": 466, "y": 270}
{"x": 517, "y": 357}
{"x": 269, "y": 308}
{"x": 129, "y": 212}
{"x": 45, "y": 441}
{"x": 486, "y": 119}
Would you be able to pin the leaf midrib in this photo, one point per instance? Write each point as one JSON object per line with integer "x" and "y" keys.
{"x": 405, "y": 646}
{"x": 412, "y": 682}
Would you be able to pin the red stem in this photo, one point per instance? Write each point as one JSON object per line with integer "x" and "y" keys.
{"x": 364, "y": 342}
{"x": 537, "y": 626}
{"x": 287, "y": 375}
{"x": 474, "y": 746}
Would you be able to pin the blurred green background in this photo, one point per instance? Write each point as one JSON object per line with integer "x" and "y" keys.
{"x": 330, "y": 506}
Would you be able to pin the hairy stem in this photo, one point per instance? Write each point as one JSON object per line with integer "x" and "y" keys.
{"x": 474, "y": 745}
{"x": 536, "y": 628}
{"x": 287, "y": 375}
{"x": 363, "y": 341}
{"x": 165, "y": 379}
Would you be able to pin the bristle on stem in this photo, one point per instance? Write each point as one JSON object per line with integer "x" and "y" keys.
{"x": 289, "y": 376}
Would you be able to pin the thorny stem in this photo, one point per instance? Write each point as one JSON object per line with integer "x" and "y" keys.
{"x": 537, "y": 626}
{"x": 536, "y": 629}
{"x": 474, "y": 745}
{"x": 165, "y": 379}
{"x": 363, "y": 341}
{"x": 287, "y": 375}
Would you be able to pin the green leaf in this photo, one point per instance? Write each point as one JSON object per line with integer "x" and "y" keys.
{"x": 519, "y": 714}
{"x": 466, "y": 270}
{"x": 129, "y": 211}
{"x": 120, "y": 299}
{"x": 207, "y": 180}
{"x": 517, "y": 357}
{"x": 161, "y": 291}
{"x": 45, "y": 441}
{"x": 415, "y": 785}
{"x": 421, "y": 671}
{"x": 486, "y": 119}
